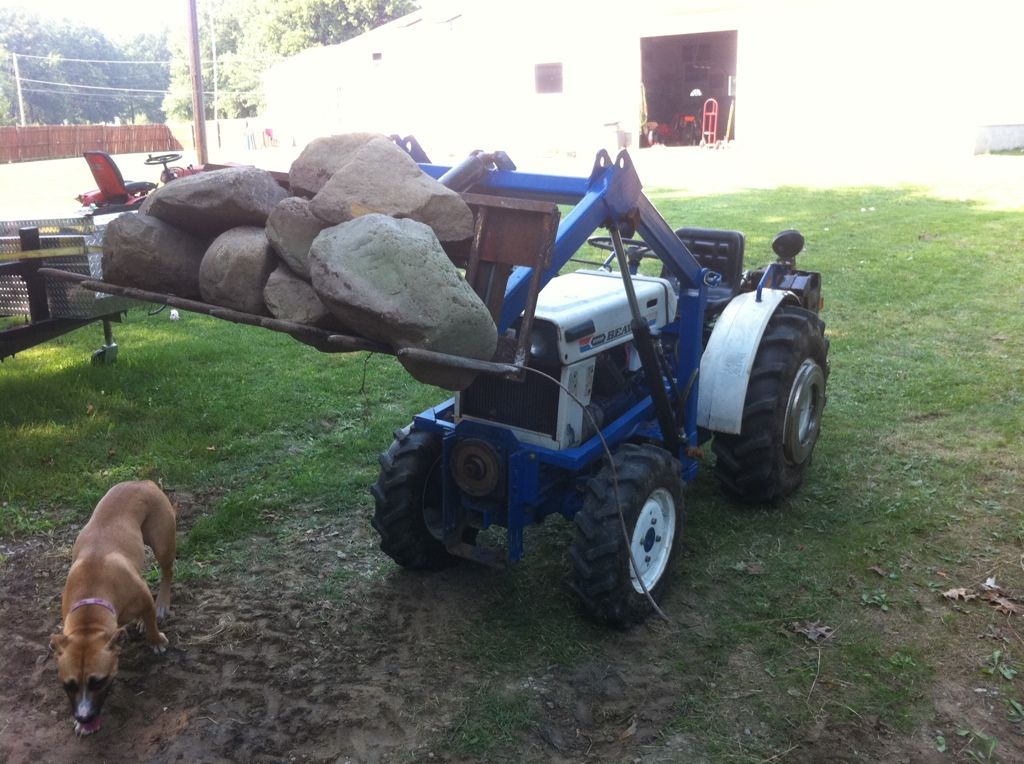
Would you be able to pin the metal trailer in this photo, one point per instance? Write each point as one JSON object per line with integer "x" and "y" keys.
{"x": 599, "y": 419}
{"x": 50, "y": 306}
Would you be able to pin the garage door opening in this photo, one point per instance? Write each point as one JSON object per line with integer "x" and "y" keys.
{"x": 680, "y": 73}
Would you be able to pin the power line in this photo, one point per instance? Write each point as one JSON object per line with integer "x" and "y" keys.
{"x": 145, "y": 93}
{"x": 91, "y": 87}
{"x": 89, "y": 95}
{"x": 220, "y": 60}
{"x": 59, "y": 58}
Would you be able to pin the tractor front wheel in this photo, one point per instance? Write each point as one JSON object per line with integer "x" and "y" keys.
{"x": 650, "y": 494}
{"x": 406, "y": 492}
{"x": 782, "y": 411}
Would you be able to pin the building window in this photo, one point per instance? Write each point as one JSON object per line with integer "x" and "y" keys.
{"x": 548, "y": 78}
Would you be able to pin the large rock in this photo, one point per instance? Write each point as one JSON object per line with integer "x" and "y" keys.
{"x": 147, "y": 253}
{"x": 291, "y": 228}
{"x": 235, "y": 269}
{"x": 212, "y": 202}
{"x": 323, "y": 157}
{"x": 391, "y": 281}
{"x": 291, "y": 299}
{"x": 381, "y": 177}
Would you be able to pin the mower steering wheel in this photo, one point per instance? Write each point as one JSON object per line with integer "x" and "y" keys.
{"x": 161, "y": 159}
{"x": 634, "y": 248}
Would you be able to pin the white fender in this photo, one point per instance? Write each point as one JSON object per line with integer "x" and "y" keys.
{"x": 729, "y": 358}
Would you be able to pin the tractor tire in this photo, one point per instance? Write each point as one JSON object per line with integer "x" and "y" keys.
{"x": 782, "y": 412}
{"x": 650, "y": 489}
{"x": 409, "y": 483}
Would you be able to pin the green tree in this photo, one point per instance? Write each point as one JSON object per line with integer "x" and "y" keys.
{"x": 74, "y": 74}
{"x": 140, "y": 106}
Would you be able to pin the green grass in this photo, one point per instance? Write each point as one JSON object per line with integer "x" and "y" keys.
{"x": 493, "y": 721}
{"x": 915, "y": 486}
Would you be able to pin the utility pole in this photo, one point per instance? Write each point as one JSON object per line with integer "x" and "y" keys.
{"x": 21, "y": 98}
{"x": 216, "y": 79}
{"x": 198, "y": 115}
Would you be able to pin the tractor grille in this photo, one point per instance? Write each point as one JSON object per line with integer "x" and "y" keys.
{"x": 531, "y": 404}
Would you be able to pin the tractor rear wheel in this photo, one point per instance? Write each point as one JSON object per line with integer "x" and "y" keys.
{"x": 650, "y": 491}
{"x": 407, "y": 490}
{"x": 782, "y": 412}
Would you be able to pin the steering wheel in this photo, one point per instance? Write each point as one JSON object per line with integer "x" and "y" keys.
{"x": 161, "y": 159}
{"x": 634, "y": 248}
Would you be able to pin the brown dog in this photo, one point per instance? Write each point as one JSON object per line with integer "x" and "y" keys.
{"x": 105, "y": 591}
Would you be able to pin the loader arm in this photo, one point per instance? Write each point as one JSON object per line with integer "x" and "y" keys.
{"x": 611, "y": 196}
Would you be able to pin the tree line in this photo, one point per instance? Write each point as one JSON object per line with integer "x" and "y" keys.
{"x": 74, "y": 74}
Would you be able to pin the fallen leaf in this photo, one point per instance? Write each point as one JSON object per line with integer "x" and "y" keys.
{"x": 880, "y": 570}
{"x": 750, "y": 568}
{"x": 1004, "y": 605}
{"x": 629, "y": 731}
{"x": 211, "y": 448}
{"x": 959, "y": 594}
{"x": 813, "y": 630}
{"x": 90, "y": 410}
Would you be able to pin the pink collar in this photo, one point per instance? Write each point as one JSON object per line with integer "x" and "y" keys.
{"x": 92, "y": 601}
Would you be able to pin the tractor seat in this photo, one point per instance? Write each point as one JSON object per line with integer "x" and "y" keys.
{"x": 110, "y": 181}
{"x": 722, "y": 252}
{"x": 137, "y": 186}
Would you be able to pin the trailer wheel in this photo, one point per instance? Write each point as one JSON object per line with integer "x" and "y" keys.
{"x": 782, "y": 412}
{"x": 650, "y": 489}
{"x": 409, "y": 488}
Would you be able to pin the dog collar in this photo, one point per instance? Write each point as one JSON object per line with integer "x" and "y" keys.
{"x": 92, "y": 601}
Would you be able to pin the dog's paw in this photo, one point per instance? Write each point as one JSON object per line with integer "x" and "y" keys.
{"x": 161, "y": 645}
{"x": 162, "y": 614}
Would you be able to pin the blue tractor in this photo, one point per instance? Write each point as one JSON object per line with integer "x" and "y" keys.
{"x": 606, "y": 384}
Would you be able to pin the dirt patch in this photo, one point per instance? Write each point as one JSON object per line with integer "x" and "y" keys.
{"x": 261, "y": 665}
{"x": 303, "y": 651}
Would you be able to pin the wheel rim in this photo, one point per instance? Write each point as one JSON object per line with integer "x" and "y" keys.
{"x": 652, "y": 539}
{"x": 803, "y": 412}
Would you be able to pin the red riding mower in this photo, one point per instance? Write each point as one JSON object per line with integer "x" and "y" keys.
{"x": 115, "y": 194}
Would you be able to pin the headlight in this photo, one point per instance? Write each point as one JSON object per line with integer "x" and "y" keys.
{"x": 544, "y": 345}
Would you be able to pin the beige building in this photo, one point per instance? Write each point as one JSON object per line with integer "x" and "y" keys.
{"x": 570, "y": 76}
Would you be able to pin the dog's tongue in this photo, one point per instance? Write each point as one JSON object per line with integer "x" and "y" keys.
{"x": 89, "y": 727}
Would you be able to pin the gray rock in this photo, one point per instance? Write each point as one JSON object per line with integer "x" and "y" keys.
{"x": 381, "y": 177}
{"x": 212, "y": 202}
{"x": 291, "y": 228}
{"x": 323, "y": 157}
{"x": 291, "y": 299}
{"x": 235, "y": 269}
{"x": 147, "y": 253}
{"x": 390, "y": 280}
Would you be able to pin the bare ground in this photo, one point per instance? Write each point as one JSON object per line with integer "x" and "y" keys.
{"x": 264, "y": 666}
{"x": 261, "y": 668}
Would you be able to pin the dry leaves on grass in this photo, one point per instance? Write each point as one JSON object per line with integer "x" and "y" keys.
{"x": 990, "y": 592}
{"x": 813, "y": 630}
{"x": 959, "y": 594}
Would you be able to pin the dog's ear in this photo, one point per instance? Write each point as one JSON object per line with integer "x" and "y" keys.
{"x": 119, "y": 638}
{"x": 57, "y": 643}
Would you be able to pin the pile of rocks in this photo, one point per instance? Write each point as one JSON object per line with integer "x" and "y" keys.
{"x": 356, "y": 248}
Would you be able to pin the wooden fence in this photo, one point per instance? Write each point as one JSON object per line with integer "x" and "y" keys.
{"x": 23, "y": 144}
